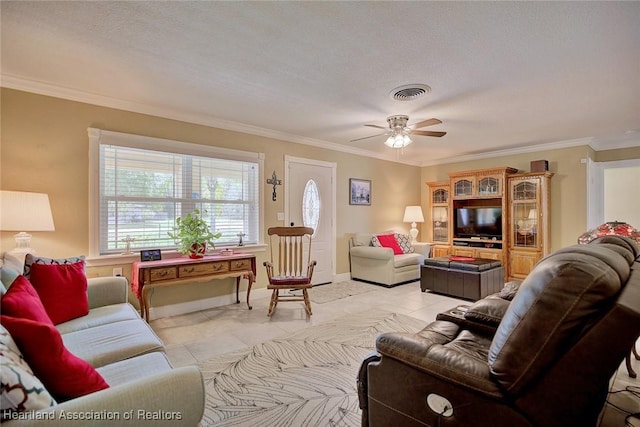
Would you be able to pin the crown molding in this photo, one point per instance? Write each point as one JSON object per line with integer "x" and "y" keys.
{"x": 630, "y": 139}
{"x": 627, "y": 140}
{"x": 513, "y": 151}
{"x": 40, "y": 88}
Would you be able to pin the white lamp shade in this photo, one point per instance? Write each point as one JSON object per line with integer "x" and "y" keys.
{"x": 22, "y": 211}
{"x": 413, "y": 214}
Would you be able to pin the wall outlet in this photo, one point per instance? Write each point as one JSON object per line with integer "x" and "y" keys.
{"x": 117, "y": 271}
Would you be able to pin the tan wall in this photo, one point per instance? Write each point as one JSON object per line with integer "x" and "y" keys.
{"x": 614, "y": 155}
{"x": 619, "y": 186}
{"x": 44, "y": 148}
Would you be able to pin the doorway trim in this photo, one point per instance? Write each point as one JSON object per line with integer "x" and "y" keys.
{"x": 333, "y": 166}
{"x": 595, "y": 187}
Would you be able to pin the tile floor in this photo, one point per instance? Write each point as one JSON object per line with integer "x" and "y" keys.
{"x": 196, "y": 337}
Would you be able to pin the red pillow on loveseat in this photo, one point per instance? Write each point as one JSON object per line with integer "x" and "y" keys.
{"x": 64, "y": 375}
{"x": 22, "y": 300}
{"x": 62, "y": 288}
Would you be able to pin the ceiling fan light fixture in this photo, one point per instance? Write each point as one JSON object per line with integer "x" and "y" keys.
{"x": 398, "y": 132}
{"x": 398, "y": 139}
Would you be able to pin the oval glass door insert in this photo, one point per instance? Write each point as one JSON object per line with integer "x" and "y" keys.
{"x": 311, "y": 206}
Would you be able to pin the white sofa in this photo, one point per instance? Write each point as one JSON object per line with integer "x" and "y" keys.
{"x": 379, "y": 265}
{"x": 144, "y": 389}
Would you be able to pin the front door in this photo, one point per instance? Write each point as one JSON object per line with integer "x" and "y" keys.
{"x": 310, "y": 201}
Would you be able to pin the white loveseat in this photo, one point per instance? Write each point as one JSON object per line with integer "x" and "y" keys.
{"x": 144, "y": 389}
{"x": 380, "y": 265}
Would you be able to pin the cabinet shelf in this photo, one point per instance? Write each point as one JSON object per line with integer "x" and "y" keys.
{"x": 472, "y": 240}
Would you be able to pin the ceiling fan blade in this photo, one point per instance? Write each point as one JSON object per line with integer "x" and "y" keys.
{"x": 367, "y": 137}
{"x": 376, "y": 126}
{"x": 427, "y": 133}
{"x": 428, "y": 122}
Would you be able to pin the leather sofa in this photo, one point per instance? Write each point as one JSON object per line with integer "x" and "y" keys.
{"x": 543, "y": 359}
{"x": 380, "y": 265}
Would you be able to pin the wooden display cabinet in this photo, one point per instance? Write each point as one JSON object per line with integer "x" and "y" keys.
{"x": 481, "y": 188}
{"x": 439, "y": 217}
{"x": 524, "y": 200}
{"x": 529, "y": 225}
{"x": 479, "y": 183}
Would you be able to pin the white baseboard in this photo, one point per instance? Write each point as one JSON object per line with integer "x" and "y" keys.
{"x": 219, "y": 301}
{"x": 204, "y": 304}
{"x": 342, "y": 277}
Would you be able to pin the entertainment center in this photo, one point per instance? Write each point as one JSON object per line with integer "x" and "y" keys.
{"x": 495, "y": 213}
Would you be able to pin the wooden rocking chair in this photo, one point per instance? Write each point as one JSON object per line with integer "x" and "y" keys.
{"x": 291, "y": 266}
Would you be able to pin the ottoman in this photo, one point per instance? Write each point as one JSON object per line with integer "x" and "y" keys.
{"x": 466, "y": 278}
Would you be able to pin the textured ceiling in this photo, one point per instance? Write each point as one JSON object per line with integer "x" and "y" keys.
{"x": 504, "y": 75}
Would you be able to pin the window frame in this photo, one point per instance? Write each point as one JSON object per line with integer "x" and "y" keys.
{"x": 99, "y": 137}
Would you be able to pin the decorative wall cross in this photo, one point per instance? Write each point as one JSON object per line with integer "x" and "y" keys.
{"x": 274, "y": 181}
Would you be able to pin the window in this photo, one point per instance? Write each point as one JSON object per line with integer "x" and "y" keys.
{"x": 311, "y": 206}
{"x": 140, "y": 185}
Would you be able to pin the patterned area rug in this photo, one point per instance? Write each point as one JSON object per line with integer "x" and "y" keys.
{"x": 307, "y": 378}
{"x": 334, "y": 291}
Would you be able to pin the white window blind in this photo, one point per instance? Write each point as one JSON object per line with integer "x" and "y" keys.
{"x": 142, "y": 192}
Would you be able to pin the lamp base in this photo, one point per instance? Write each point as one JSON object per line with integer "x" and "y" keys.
{"x": 23, "y": 244}
{"x": 414, "y": 232}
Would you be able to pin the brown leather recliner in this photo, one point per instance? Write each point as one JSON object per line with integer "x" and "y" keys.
{"x": 544, "y": 359}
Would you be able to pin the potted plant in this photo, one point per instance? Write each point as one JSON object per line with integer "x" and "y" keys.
{"x": 192, "y": 234}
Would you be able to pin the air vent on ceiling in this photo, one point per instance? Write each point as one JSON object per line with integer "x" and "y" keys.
{"x": 409, "y": 92}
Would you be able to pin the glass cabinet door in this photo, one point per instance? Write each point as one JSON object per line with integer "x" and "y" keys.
{"x": 463, "y": 187}
{"x": 525, "y": 190}
{"x": 440, "y": 224}
{"x": 525, "y": 214}
{"x": 488, "y": 186}
{"x": 440, "y": 196}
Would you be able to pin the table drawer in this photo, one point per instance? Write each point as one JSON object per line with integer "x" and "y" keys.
{"x": 164, "y": 273}
{"x": 240, "y": 264}
{"x": 204, "y": 269}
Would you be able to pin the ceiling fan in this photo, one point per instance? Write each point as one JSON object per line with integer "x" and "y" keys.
{"x": 399, "y": 131}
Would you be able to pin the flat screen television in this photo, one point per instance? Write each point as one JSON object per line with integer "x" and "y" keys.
{"x": 478, "y": 222}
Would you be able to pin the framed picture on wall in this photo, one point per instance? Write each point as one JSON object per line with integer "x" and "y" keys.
{"x": 359, "y": 192}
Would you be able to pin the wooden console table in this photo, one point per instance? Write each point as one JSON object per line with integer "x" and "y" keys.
{"x": 169, "y": 272}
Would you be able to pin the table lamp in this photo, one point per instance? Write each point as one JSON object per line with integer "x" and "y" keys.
{"x": 413, "y": 214}
{"x": 22, "y": 211}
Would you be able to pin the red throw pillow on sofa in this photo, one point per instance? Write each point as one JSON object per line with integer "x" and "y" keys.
{"x": 389, "y": 241}
{"x": 64, "y": 375}
{"x": 62, "y": 288}
{"x": 22, "y": 301}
